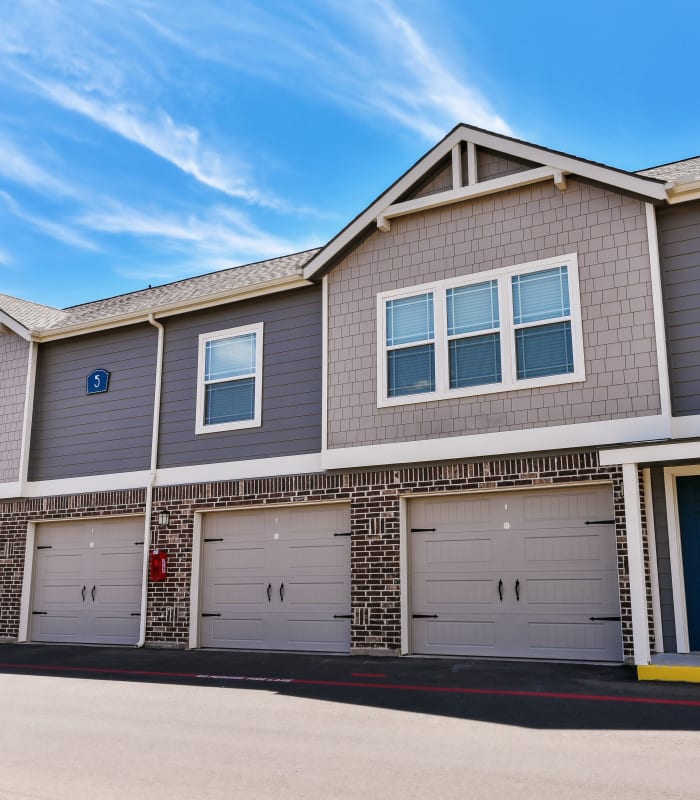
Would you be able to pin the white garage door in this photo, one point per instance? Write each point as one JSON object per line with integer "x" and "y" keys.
{"x": 277, "y": 579}
{"x": 87, "y": 581}
{"x": 521, "y": 574}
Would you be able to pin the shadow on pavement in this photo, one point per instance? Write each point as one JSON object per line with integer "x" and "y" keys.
{"x": 525, "y": 694}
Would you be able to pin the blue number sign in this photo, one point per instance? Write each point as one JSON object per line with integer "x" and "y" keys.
{"x": 97, "y": 381}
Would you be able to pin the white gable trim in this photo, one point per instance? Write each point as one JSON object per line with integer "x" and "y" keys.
{"x": 14, "y": 326}
{"x": 638, "y": 184}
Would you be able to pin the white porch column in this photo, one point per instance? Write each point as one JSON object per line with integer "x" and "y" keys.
{"x": 635, "y": 561}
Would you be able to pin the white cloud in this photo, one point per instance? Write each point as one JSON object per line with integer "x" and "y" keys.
{"x": 217, "y": 238}
{"x": 5, "y": 258}
{"x": 20, "y": 168}
{"x": 54, "y": 230}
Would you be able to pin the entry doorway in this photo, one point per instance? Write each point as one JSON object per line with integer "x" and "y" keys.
{"x": 688, "y": 493}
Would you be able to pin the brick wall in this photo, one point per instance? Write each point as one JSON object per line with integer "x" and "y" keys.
{"x": 608, "y": 232}
{"x": 374, "y": 499}
{"x": 14, "y": 354}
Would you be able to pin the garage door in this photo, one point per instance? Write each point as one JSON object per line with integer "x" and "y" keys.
{"x": 521, "y": 574}
{"x": 87, "y": 581}
{"x": 277, "y": 579}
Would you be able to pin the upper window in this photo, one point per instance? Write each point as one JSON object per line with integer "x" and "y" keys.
{"x": 519, "y": 328}
{"x": 229, "y": 390}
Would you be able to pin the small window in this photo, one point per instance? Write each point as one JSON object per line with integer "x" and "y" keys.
{"x": 230, "y": 379}
{"x": 520, "y": 328}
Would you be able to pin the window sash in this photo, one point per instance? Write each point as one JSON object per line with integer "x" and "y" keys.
{"x": 450, "y": 330}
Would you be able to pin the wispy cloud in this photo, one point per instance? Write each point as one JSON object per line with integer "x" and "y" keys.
{"x": 55, "y": 230}
{"x": 365, "y": 56}
{"x": 159, "y": 133}
{"x": 18, "y": 167}
{"x": 5, "y": 258}
{"x": 217, "y": 238}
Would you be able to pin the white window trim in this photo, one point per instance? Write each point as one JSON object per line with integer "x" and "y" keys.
{"x": 507, "y": 328}
{"x": 256, "y": 422}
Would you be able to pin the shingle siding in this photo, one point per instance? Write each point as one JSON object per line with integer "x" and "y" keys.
{"x": 679, "y": 245}
{"x": 608, "y": 232}
{"x": 14, "y": 357}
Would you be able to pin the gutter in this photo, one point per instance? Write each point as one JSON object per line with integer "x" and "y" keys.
{"x": 151, "y": 478}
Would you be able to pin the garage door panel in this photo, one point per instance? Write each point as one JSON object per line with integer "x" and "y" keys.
{"x": 293, "y": 551}
{"x": 447, "y": 592}
{"x": 451, "y": 551}
{"x": 57, "y": 628}
{"x": 240, "y": 557}
{"x": 87, "y": 581}
{"x": 323, "y": 555}
{"x": 316, "y": 633}
{"x": 539, "y": 551}
{"x": 243, "y": 631}
{"x": 252, "y": 592}
{"x": 580, "y": 637}
{"x": 457, "y": 636}
{"x": 325, "y": 594}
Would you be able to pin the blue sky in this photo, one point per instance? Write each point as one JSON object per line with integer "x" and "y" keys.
{"x": 145, "y": 141}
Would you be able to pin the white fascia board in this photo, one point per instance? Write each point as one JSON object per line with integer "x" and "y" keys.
{"x": 10, "y": 490}
{"x": 89, "y": 483}
{"x": 531, "y": 440}
{"x": 14, "y": 326}
{"x": 239, "y": 470}
{"x": 682, "y": 192}
{"x": 685, "y": 427}
{"x": 172, "y": 309}
{"x": 645, "y": 454}
{"x": 638, "y": 184}
{"x": 170, "y": 476}
{"x": 463, "y": 193}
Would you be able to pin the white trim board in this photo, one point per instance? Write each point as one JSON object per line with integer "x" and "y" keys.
{"x": 531, "y": 440}
{"x": 635, "y": 560}
{"x": 170, "y": 476}
{"x": 685, "y": 427}
{"x": 680, "y": 612}
{"x": 638, "y": 184}
{"x": 644, "y": 454}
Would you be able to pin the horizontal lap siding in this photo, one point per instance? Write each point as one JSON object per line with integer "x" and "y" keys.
{"x": 663, "y": 560}
{"x": 77, "y": 434}
{"x": 679, "y": 239}
{"x": 291, "y": 411}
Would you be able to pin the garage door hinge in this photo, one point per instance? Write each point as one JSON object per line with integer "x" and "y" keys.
{"x": 42, "y": 613}
{"x": 44, "y": 547}
{"x": 211, "y": 615}
{"x": 342, "y": 616}
{"x": 605, "y": 619}
{"x": 423, "y": 530}
{"x": 342, "y": 534}
{"x": 601, "y": 522}
{"x": 424, "y": 616}
{"x": 213, "y": 540}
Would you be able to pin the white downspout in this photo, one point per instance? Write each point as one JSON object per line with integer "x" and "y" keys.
{"x": 152, "y": 478}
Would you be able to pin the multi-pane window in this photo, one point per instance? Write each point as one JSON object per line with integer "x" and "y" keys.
{"x": 518, "y": 329}
{"x": 229, "y": 390}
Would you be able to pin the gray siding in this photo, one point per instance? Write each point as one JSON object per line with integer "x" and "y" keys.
{"x": 606, "y": 229}
{"x": 679, "y": 241}
{"x": 14, "y": 355}
{"x": 291, "y": 411}
{"x": 75, "y": 434}
{"x": 663, "y": 558}
{"x": 490, "y": 165}
{"x": 440, "y": 180}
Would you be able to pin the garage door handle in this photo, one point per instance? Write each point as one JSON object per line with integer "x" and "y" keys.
{"x": 82, "y": 591}
{"x": 424, "y": 616}
{"x": 604, "y": 619}
{"x": 517, "y": 590}
{"x": 500, "y": 590}
{"x": 282, "y": 592}
{"x": 92, "y": 592}
{"x": 269, "y": 592}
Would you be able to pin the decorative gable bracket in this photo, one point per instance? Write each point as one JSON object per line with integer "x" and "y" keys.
{"x": 460, "y": 193}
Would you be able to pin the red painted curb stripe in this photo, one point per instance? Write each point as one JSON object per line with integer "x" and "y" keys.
{"x": 365, "y": 685}
{"x": 369, "y": 675}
